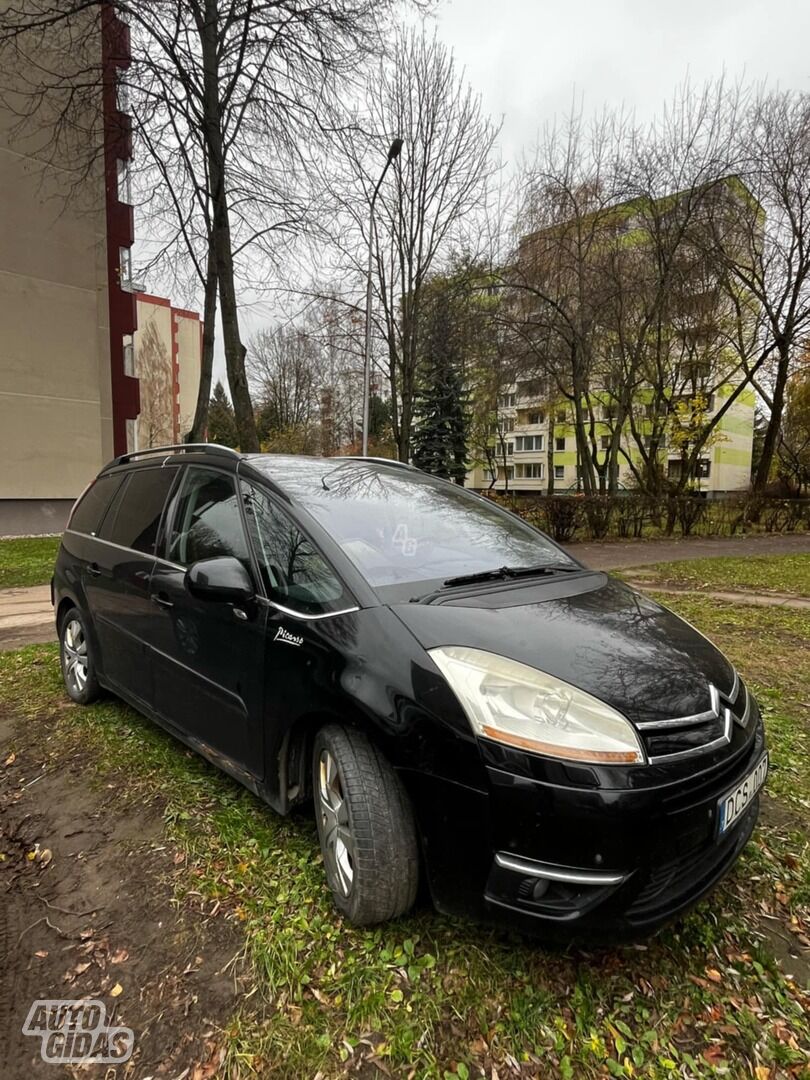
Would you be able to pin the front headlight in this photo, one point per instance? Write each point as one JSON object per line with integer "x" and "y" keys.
{"x": 518, "y": 705}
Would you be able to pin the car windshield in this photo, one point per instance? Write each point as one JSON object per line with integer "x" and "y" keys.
{"x": 400, "y": 526}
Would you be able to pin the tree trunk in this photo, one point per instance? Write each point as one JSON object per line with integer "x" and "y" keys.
{"x": 771, "y": 439}
{"x": 235, "y": 351}
{"x": 200, "y": 425}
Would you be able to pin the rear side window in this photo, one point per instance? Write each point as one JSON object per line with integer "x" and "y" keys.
{"x": 206, "y": 522}
{"x": 134, "y": 520}
{"x": 295, "y": 574}
{"x": 90, "y": 511}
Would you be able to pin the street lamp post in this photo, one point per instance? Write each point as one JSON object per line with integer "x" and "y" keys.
{"x": 393, "y": 153}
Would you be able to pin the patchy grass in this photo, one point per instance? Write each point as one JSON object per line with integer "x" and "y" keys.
{"x": 27, "y": 561}
{"x": 757, "y": 573}
{"x": 428, "y": 996}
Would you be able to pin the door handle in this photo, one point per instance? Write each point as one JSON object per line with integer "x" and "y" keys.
{"x": 94, "y": 569}
{"x": 162, "y": 600}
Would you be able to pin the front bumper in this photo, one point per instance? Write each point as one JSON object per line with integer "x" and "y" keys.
{"x": 566, "y": 861}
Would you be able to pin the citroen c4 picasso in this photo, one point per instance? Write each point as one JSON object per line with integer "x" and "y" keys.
{"x": 463, "y": 702}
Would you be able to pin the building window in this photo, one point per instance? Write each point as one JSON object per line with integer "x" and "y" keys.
{"x": 506, "y": 401}
{"x": 532, "y": 471}
{"x": 506, "y": 473}
{"x": 528, "y": 443}
{"x": 559, "y": 472}
{"x": 121, "y": 95}
{"x": 509, "y": 448}
{"x": 535, "y": 418}
{"x": 661, "y": 441}
{"x": 604, "y": 441}
{"x": 704, "y": 468}
{"x": 124, "y": 183}
{"x": 509, "y": 425}
{"x": 608, "y": 412}
{"x": 129, "y": 355}
{"x": 649, "y": 410}
{"x": 559, "y": 416}
{"x": 674, "y": 468}
{"x": 559, "y": 444}
{"x": 125, "y": 267}
{"x": 132, "y": 436}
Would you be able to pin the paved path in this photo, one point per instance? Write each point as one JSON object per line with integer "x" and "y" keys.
{"x": 615, "y": 555}
{"x": 26, "y": 617}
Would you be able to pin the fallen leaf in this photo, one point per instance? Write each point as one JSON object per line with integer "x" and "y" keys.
{"x": 119, "y": 956}
{"x": 116, "y": 990}
{"x": 45, "y": 856}
{"x": 762, "y": 1072}
{"x": 714, "y": 975}
{"x": 41, "y": 953}
{"x": 12, "y": 757}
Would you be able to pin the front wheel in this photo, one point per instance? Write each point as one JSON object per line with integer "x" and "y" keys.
{"x": 78, "y": 669}
{"x": 365, "y": 826}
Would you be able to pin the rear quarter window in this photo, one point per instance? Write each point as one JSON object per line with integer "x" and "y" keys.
{"x": 90, "y": 510}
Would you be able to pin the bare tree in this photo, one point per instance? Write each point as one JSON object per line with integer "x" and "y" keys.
{"x": 765, "y": 243}
{"x": 437, "y": 187}
{"x": 228, "y": 90}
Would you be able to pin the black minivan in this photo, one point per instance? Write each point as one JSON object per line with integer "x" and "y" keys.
{"x": 463, "y": 702}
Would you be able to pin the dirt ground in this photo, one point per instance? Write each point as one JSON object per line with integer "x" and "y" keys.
{"x": 85, "y": 910}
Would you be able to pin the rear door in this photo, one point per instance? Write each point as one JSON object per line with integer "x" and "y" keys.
{"x": 208, "y": 656}
{"x": 118, "y": 578}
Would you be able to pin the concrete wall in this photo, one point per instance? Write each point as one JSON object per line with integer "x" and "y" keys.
{"x": 167, "y": 347}
{"x": 55, "y": 400}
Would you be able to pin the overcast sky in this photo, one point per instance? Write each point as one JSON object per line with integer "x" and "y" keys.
{"x": 529, "y": 57}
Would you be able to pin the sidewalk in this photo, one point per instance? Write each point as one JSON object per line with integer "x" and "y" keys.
{"x": 618, "y": 554}
{"x": 26, "y": 617}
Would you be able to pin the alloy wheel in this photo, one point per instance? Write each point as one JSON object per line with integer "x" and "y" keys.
{"x": 74, "y": 652}
{"x": 338, "y": 843}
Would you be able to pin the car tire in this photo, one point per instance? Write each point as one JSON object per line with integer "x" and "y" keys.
{"x": 365, "y": 826}
{"x": 76, "y": 655}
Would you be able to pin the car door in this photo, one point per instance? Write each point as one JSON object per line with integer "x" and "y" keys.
{"x": 208, "y": 655}
{"x": 310, "y": 626}
{"x": 117, "y": 578}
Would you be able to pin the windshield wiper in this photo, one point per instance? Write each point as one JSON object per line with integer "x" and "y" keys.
{"x": 507, "y": 572}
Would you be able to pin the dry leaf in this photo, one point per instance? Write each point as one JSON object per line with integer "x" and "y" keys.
{"x": 714, "y": 975}
{"x": 119, "y": 956}
{"x": 45, "y": 856}
{"x": 41, "y": 953}
{"x": 762, "y": 1072}
{"x": 12, "y": 757}
{"x": 116, "y": 990}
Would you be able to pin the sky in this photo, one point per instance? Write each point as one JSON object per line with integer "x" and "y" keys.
{"x": 530, "y": 59}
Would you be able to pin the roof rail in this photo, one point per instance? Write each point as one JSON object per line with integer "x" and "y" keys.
{"x": 194, "y": 448}
{"x": 383, "y": 460}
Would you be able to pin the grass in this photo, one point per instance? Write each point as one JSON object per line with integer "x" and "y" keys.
{"x": 27, "y": 561}
{"x": 428, "y": 996}
{"x": 757, "y": 573}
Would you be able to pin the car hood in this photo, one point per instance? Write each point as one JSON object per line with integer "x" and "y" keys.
{"x": 591, "y": 631}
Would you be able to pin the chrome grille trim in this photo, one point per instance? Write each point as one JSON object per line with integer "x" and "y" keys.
{"x": 721, "y": 709}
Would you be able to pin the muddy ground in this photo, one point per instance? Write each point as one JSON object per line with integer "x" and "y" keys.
{"x": 86, "y": 910}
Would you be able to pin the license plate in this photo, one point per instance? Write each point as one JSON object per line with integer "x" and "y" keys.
{"x": 732, "y": 805}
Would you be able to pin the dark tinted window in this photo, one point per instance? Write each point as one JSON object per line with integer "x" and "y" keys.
{"x": 88, "y": 514}
{"x": 295, "y": 574}
{"x": 206, "y": 521}
{"x": 134, "y": 518}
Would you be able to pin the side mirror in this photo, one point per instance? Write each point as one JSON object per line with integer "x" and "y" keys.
{"x": 223, "y": 579}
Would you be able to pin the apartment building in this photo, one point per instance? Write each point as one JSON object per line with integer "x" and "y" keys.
{"x": 79, "y": 383}
{"x": 66, "y": 398}
{"x": 688, "y": 330}
{"x": 532, "y": 439}
{"x": 166, "y": 353}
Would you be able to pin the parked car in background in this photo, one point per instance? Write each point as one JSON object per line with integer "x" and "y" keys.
{"x": 463, "y": 702}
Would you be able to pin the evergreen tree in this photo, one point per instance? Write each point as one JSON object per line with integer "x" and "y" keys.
{"x": 221, "y": 419}
{"x": 440, "y": 430}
